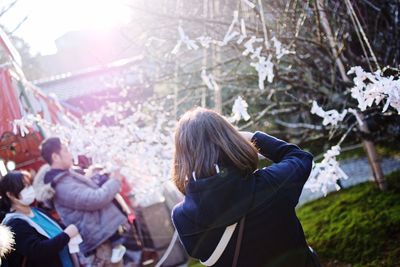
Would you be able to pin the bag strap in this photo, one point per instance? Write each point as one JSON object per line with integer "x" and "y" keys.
{"x": 223, "y": 242}
{"x": 238, "y": 242}
{"x": 314, "y": 257}
{"x": 57, "y": 178}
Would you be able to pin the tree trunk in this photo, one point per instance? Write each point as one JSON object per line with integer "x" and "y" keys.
{"x": 373, "y": 159}
{"x": 176, "y": 72}
{"x": 216, "y": 58}
{"x": 264, "y": 25}
{"x": 204, "y": 88}
{"x": 176, "y": 89}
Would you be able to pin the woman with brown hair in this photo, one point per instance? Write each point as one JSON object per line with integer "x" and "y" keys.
{"x": 234, "y": 214}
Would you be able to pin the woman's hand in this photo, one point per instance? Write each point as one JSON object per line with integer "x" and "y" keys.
{"x": 247, "y": 135}
{"x": 71, "y": 230}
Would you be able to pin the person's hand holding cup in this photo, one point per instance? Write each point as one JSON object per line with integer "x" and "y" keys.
{"x": 71, "y": 230}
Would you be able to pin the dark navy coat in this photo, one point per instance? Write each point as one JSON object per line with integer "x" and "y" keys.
{"x": 273, "y": 235}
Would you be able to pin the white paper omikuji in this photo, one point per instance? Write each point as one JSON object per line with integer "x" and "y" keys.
{"x": 264, "y": 66}
{"x": 243, "y": 34}
{"x": 239, "y": 110}
{"x": 205, "y": 41}
{"x": 257, "y": 53}
{"x": 137, "y": 144}
{"x": 249, "y": 45}
{"x": 265, "y": 69}
{"x": 184, "y": 39}
{"x": 279, "y": 49}
{"x": 332, "y": 116}
{"x": 21, "y": 126}
{"x": 373, "y": 88}
{"x": 206, "y": 79}
{"x": 209, "y": 80}
{"x": 230, "y": 34}
{"x": 324, "y": 175}
{"x": 250, "y": 4}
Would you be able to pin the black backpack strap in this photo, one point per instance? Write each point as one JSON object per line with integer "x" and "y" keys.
{"x": 57, "y": 178}
{"x": 314, "y": 257}
{"x": 239, "y": 241}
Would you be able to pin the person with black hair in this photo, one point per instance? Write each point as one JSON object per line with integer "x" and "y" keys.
{"x": 79, "y": 200}
{"x": 39, "y": 240}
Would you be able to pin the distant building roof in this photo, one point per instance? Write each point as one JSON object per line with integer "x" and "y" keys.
{"x": 94, "y": 79}
{"x": 84, "y": 48}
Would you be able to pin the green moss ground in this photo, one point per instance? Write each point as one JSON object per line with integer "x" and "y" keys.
{"x": 359, "y": 226}
{"x": 384, "y": 150}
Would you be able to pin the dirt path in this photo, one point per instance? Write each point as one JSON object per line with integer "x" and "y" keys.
{"x": 358, "y": 171}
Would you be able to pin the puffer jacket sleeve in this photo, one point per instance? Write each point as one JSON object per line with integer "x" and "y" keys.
{"x": 77, "y": 195}
{"x": 30, "y": 244}
{"x": 292, "y": 165}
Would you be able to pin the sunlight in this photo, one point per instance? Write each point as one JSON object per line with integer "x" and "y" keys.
{"x": 50, "y": 19}
{"x": 94, "y": 14}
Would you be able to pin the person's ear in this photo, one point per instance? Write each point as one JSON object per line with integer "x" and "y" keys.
{"x": 54, "y": 157}
{"x": 10, "y": 196}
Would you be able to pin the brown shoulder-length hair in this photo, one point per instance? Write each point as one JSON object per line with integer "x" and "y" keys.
{"x": 204, "y": 138}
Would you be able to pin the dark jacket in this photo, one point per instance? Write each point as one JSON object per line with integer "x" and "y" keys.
{"x": 78, "y": 200}
{"x": 36, "y": 248}
{"x": 273, "y": 235}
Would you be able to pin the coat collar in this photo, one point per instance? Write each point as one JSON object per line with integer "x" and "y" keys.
{"x": 215, "y": 201}
{"x": 16, "y": 215}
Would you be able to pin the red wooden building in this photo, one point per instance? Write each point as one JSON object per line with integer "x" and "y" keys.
{"x": 19, "y": 98}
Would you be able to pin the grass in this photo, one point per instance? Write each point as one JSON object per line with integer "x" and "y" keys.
{"x": 383, "y": 150}
{"x": 359, "y": 226}
{"x": 194, "y": 263}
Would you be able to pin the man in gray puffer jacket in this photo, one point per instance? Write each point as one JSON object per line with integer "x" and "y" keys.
{"x": 80, "y": 201}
